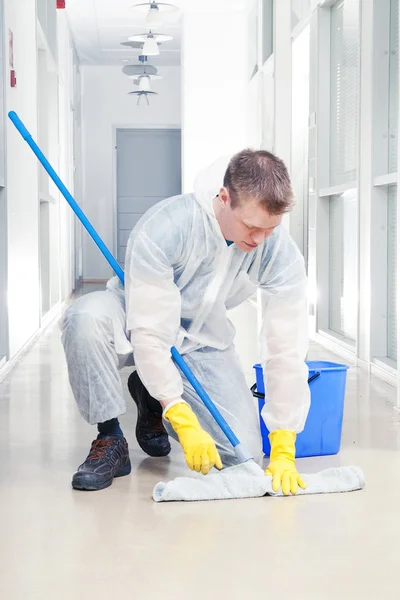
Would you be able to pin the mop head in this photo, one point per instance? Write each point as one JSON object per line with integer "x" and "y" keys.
{"x": 248, "y": 481}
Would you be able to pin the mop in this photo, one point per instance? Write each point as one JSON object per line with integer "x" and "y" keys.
{"x": 245, "y": 480}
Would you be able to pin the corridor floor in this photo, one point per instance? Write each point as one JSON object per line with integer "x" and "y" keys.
{"x": 59, "y": 544}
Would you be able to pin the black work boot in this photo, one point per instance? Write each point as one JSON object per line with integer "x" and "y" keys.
{"x": 150, "y": 431}
{"x": 108, "y": 458}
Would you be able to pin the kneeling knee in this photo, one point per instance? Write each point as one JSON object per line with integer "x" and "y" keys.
{"x": 81, "y": 326}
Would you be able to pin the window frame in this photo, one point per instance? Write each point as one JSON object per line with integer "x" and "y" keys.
{"x": 324, "y": 189}
{"x": 381, "y": 180}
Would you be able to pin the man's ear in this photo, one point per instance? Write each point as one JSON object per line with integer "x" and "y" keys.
{"x": 224, "y": 195}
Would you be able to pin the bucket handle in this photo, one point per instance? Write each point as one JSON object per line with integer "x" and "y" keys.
{"x": 258, "y": 395}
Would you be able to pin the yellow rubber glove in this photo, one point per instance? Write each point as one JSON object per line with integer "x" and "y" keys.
{"x": 200, "y": 451}
{"x": 282, "y": 466}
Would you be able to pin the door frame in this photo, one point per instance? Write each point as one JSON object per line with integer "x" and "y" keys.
{"x": 131, "y": 127}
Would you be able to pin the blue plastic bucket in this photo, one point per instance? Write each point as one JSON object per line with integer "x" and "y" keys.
{"x": 323, "y": 429}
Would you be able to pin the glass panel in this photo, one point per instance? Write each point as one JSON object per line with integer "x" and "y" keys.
{"x": 268, "y": 29}
{"x": 392, "y": 274}
{"x": 345, "y": 39}
{"x": 393, "y": 84}
{"x": 343, "y": 264}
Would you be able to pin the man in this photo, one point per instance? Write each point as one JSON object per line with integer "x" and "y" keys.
{"x": 189, "y": 260}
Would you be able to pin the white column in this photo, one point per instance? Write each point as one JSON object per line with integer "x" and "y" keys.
{"x": 283, "y": 80}
{"x": 216, "y": 71}
{"x": 214, "y": 83}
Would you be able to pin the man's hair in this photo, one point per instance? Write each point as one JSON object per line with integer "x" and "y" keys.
{"x": 260, "y": 176}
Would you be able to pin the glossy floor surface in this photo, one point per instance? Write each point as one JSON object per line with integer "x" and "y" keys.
{"x": 56, "y": 543}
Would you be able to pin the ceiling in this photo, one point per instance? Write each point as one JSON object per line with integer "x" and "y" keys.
{"x": 99, "y": 26}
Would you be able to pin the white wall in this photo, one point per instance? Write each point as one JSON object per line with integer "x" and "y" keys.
{"x": 22, "y": 179}
{"x": 22, "y": 176}
{"x": 221, "y": 113}
{"x": 214, "y": 87}
{"x": 67, "y": 113}
{"x": 106, "y": 104}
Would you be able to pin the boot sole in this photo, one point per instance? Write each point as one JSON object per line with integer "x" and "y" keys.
{"x": 82, "y": 483}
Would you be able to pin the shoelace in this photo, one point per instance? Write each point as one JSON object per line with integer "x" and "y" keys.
{"x": 99, "y": 449}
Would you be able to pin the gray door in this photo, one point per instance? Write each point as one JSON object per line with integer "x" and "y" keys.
{"x": 148, "y": 171}
{"x": 3, "y": 206}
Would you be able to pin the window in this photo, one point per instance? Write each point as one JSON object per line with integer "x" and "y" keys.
{"x": 392, "y": 191}
{"x": 392, "y": 273}
{"x": 267, "y": 29}
{"x": 343, "y": 264}
{"x": 343, "y": 166}
{"x": 345, "y": 52}
{"x": 384, "y": 342}
{"x": 393, "y": 84}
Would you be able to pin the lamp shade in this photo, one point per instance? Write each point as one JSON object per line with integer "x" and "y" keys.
{"x": 150, "y": 47}
{"x": 144, "y": 84}
{"x": 153, "y": 18}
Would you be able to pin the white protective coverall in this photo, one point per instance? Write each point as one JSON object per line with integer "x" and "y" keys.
{"x": 181, "y": 278}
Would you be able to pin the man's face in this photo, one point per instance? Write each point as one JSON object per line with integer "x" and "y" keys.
{"x": 247, "y": 225}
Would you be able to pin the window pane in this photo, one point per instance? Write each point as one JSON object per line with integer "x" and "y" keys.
{"x": 393, "y": 84}
{"x": 268, "y": 29}
{"x": 345, "y": 39}
{"x": 343, "y": 264}
{"x": 392, "y": 274}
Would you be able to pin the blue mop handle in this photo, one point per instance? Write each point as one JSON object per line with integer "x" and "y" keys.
{"x": 67, "y": 195}
{"x": 241, "y": 451}
{"x": 204, "y": 396}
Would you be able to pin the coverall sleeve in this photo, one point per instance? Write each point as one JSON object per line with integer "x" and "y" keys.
{"x": 153, "y": 310}
{"x": 284, "y": 336}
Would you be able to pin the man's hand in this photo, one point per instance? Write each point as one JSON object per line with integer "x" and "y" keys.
{"x": 282, "y": 465}
{"x": 200, "y": 451}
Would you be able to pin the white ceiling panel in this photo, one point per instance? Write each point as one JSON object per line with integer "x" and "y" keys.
{"x": 100, "y": 26}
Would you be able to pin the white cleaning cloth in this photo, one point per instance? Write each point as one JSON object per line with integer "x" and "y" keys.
{"x": 248, "y": 481}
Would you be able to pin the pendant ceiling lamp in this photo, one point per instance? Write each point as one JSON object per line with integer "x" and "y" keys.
{"x": 144, "y": 84}
{"x": 135, "y": 71}
{"x": 150, "y": 42}
{"x": 143, "y": 93}
{"x": 155, "y": 12}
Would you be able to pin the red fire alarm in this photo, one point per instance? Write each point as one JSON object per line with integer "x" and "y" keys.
{"x": 13, "y": 78}
{"x": 60, "y": 3}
